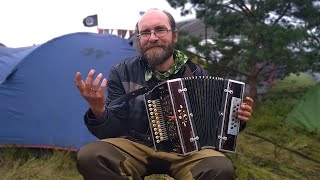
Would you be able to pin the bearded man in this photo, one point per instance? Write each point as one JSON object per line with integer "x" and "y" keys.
{"x": 125, "y": 150}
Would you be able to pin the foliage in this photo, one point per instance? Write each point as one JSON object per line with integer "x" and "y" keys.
{"x": 269, "y": 148}
{"x": 293, "y": 83}
{"x": 254, "y": 35}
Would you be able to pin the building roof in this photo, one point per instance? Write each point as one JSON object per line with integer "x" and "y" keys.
{"x": 196, "y": 27}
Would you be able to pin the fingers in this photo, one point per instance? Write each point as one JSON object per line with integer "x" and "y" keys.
{"x": 245, "y": 111}
{"x": 246, "y": 107}
{"x": 103, "y": 85}
{"x": 78, "y": 81}
{"x": 96, "y": 82}
{"x": 249, "y": 101}
{"x": 243, "y": 118}
{"x": 88, "y": 81}
{"x": 244, "y": 115}
{"x": 90, "y": 85}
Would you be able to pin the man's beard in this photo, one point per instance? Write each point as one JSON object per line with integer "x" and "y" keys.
{"x": 156, "y": 54}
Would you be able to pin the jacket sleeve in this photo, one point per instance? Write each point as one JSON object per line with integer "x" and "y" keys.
{"x": 112, "y": 123}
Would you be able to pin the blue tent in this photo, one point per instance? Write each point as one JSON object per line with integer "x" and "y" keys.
{"x": 40, "y": 105}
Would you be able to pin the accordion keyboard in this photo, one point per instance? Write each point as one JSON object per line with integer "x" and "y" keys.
{"x": 234, "y": 123}
{"x": 157, "y": 121}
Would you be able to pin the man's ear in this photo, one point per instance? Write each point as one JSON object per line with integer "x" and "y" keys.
{"x": 175, "y": 36}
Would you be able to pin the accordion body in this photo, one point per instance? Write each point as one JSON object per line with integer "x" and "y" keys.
{"x": 189, "y": 114}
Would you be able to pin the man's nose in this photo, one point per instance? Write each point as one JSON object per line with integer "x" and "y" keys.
{"x": 153, "y": 36}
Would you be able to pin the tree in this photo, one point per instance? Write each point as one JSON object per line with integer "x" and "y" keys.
{"x": 283, "y": 33}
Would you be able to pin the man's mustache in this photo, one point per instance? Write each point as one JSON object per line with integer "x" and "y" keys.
{"x": 154, "y": 46}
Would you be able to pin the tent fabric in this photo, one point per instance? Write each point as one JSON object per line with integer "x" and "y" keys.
{"x": 40, "y": 105}
{"x": 306, "y": 113}
{"x": 10, "y": 58}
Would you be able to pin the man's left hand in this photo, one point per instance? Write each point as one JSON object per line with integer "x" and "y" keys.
{"x": 245, "y": 111}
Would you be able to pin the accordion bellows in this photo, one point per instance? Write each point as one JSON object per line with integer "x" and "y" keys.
{"x": 194, "y": 113}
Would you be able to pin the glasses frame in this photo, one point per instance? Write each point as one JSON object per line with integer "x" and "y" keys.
{"x": 140, "y": 36}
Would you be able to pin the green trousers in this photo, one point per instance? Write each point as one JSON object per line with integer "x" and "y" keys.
{"x": 119, "y": 158}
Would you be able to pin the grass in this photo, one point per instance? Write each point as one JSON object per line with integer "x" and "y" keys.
{"x": 268, "y": 148}
{"x": 18, "y": 163}
{"x": 293, "y": 83}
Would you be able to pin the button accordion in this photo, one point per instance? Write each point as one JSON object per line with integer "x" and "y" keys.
{"x": 194, "y": 113}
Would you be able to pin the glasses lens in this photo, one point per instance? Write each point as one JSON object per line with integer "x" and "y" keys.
{"x": 145, "y": 34}
{"x": 161, "y": 32}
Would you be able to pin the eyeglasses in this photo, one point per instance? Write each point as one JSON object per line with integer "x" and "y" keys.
{"x": 157, "y": 32}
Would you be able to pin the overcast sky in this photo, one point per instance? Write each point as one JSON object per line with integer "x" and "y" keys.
{"x": 28, "y": 22}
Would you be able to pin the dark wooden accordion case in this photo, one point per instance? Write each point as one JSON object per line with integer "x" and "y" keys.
{"x": 194, "y": 113}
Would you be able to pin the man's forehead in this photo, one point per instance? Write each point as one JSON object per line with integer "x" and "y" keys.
{"x": 153, "y": 18}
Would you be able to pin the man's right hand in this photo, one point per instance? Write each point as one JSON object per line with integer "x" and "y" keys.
{"x": 91, "y": 92}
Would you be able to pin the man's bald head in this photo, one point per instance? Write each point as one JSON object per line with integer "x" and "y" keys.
{"x": 153, "y": 11}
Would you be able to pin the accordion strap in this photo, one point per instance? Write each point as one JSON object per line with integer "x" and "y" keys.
{"x": 130, "y": 95}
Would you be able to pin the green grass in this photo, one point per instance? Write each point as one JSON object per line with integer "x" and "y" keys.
{"x": 18, "y": 163}
{"x": 293, "y": 82}
{"x": 268, "y": 148}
